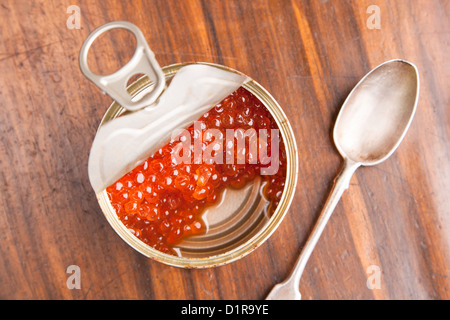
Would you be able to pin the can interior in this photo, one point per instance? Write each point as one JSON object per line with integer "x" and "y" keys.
{"x": 237, "y": 216}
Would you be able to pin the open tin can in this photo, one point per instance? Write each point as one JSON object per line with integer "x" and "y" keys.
{"x": 234, "y": 229}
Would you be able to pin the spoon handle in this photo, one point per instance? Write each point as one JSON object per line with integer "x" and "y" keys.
{"x": 289, "y": 289}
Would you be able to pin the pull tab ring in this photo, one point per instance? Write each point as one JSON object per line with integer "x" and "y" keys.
{"x": 143, "y": 61}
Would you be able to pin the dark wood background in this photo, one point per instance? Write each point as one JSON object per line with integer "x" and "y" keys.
{"x": 309, "y": 55}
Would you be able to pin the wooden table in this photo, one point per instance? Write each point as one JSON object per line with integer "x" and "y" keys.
{"x": 308, "y": 54}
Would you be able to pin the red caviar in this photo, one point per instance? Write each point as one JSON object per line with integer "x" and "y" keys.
{"x": 161, "y": 201}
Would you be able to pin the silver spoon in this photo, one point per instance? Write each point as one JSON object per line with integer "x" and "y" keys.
{"x": 370, "y": 126}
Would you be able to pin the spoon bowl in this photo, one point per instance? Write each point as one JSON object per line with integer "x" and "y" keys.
{"x": 377, "y": 113}
{"x": 371, "y": 124}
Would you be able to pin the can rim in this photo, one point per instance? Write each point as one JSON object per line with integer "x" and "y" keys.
{"x": 262, "y": 235}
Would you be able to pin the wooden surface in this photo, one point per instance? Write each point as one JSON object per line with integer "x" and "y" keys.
{"x": 309, "y": 55}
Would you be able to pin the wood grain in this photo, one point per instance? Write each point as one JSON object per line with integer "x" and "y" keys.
{"x": 308, "y": 54}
